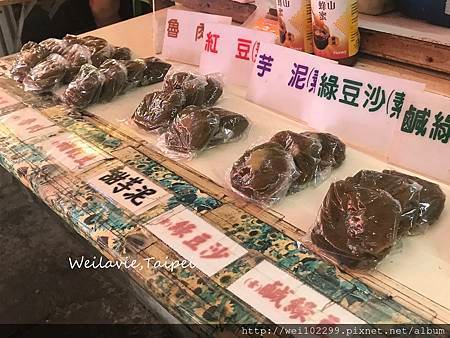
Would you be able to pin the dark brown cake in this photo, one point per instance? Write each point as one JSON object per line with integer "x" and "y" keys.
{"x": 155, "y": 71}
{"x": 121, "y": 53}
{"x": 357, "y": 225}
{"x": 264, "y": 173}
{"x": 306, "y": 153}
{"x": 231, "y": 127}
{"x": 404, "y": 190}
{"x": 46, "y": 74}
{"x": 135, "y": 72}
{"x": 192, "y": 85}
{"x": 100, "y": 49}
{"x": 57, "y": 46}
{"x": 158, "y": 109}
{"x": 192, "y": 130}
{"x": 85, "y": 88}
{"x": 213, "y": 90}
{"x": 115, "y": 74}
{"x": 333, "y": 150}
{"x": 77, "y": 55}
{"x": 431, "y": 201}
{"x": 29, "y": 57}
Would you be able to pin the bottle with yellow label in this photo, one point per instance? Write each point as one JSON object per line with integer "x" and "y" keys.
{"x": 294, "y": 19}
{"x": 335, "y": 30}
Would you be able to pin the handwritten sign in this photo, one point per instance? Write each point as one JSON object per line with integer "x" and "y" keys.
{"x": 232, "y": 51}
{"x": 422, "y": 136}
{"x": 6, "y": 100}
{"x": 128, "y": 188}
{"x": 356, "y": 105}
{"x": 28, "y": 123}
{"x": 285, "y": 300}
{"x": 184, "y": 34}
{"x": 196, "y": 240}
{"x": 71, "y": 151}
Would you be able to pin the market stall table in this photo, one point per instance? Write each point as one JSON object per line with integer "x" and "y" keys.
{"x": 398, "y": 292}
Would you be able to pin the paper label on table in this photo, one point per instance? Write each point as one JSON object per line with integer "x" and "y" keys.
{"x": 6, "y": 100}
{"x": 27, "y": 123}
{"x": 232, "y": 51}
{"x": 196, "y": 240}
{"x": 184, "y": 34}
{"x": 285, "y": 300}
{"x": 128, "y": 188}
{"x": 422, "y": 136}
{"x": 356, "y": 105}
{"x": 71, "y": 151}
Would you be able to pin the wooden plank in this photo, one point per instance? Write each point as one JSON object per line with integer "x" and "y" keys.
{"x": 415, "y": 52}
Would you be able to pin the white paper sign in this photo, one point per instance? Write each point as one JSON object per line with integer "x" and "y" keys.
{"x": 196, "y": 240}
{"x": 6, "y": 100}
{"x": 285, "y": 300}
{"x": 355, "y": 105}
{"x": 71, "y": 151}
{"x": 422, "y": 136}
{"x": 27, "y": 123}
{"x": 184, "y": 34}
{"x": 128, "y": 188}
{"x": 232, "y": 51}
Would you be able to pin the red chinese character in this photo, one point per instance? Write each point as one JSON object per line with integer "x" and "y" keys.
{"x": 211, "y": 42}
{"x": 165, "y": 221}
{"x": 215, "y": 251}
{"x": 199, "y": 32}
{"x": 255, "y": 51}
{"x": 173, "y": 28}
{"x": 243, "y": 49}
{"x": 251, "y": 283}
{"x": 82, "y": 161}
{"x": 35, "y": 128}
{"x": 63, "y": 146}
{"x": 330, "y": 320}
{"x": 196, "y": 241}
{"x": 74, "y": 152}
{"x": 27, "y": 121}
{"x": 181, "y": 228}
{"x": 300, "y": 309}
{"x": 275, "y": 293}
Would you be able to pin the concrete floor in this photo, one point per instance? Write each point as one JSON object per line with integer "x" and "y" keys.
{"x": 36, "y": 283}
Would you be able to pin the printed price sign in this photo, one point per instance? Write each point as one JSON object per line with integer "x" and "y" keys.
{"x": 232, "y": 51}
{"x": 360, "y": 107}
{"x": 422, "y": 136}
{"x": 6, "y": 100}
{"x": 28, "y": 123}
{"x": 71, "y": 151}
{"x": 196, "y": 240}
{"x": 128, "y": 188}
{"x": 184, "y": 34}
{"x": 285, "y": 300}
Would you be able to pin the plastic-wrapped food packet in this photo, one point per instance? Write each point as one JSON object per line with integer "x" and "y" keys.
{"x": 191, "y": 130}
{"x": 213, "y": 89}
{"x": 155, "y": 71}
{"x": 404, "y": 190}
{"x": 72, "y": 39}
{"x": 115, "y": 74}
{"x": 77, "y": 55}
{"x": 333, "y": 150}
{"x": 264, "y": 173}
{"x": 28, "y": 45}
{"x": 135, "y": 72}
{"x": 46, "y": 75}
{"x": 431, "y": 202}
{"x": 158, "y": 109}
{"x": 192, "y": 84}
{"x": 85, "y": 89}
{"x": 29, "y": 57}
{"x": 121, "y": 53}
{"x": 306, "y": 153}
{"x": 357, "y": 226}
{"x": 57, "y": 46}
{"x": 232, "y": 126}
{"x": 100, "y": 49}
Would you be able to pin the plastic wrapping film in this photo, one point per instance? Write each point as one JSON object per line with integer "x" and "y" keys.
{"x": 115, "y": 82}
{"x": 121, "y": 53}
{"x": 57, "y": 46}
{"x": 363, "y": 216}
{"x": 315, "y": 155}
{"x": 30, "y": 55}
{"x": 195, "y": 129}
{"x": 46, "y": 75}
{"x": 77, "y": 55}
{"x": 100, "y": 49}
{"x": 85, "y": 89}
